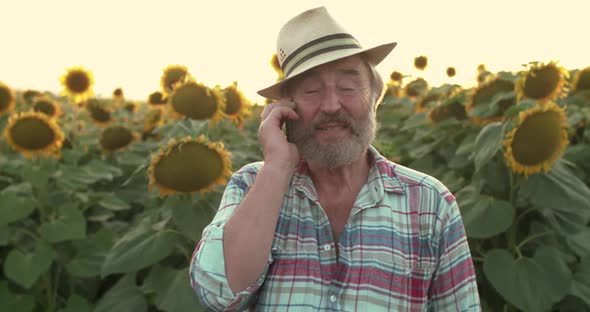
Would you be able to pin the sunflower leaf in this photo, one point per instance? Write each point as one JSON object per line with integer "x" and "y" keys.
{"x": 581, "y": 284}
{"x": 531, "y": 284}
{"x": 487, "y": 143}
{"x": 172, "y": 289}
{"x": 14, "y": 208}
{"x": 70, "y": 225}
{"x": 124, "y": 296}
{"x": 140, "y": 250}
{"x": 15, "y": 302}
{"x": 484, "y": 216}
{"x": 26, "y": 268}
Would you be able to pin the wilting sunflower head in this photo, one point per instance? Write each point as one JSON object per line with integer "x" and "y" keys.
{"x": 451, "y": 71}
{"x": 7, "y": 99}
{"x": 196, "y": 101}
{"x": 188, "y": 166}
{"x": 173, "y": 76}
{"x": 115, "y": 138}
{"x": 538, "y": 139}
{"x": 543, "y": 82}
{"x": 237, "y": 107}
{"x": 484, "y": 76}
{"x": 274, "y": 63}
{"x": 483, "y": 94}
{"x": 396, "y": 76}
{"x": 131, "y": 106}
{"x": 582, "y": 80}
{"x": 47, "y": 107}
{"x": 153, "y": 119}
{"x": 30, "y": 95}
{"x": 420, "y": 62}
{"x": 453, "y": 109}
{"x": 157, "y": 99}
{"x": 99, "y": 112}
{"x": 118, "y": 95}
{"x": 77, "y": 83}
{"x": 34, "y": 134}
{"x": 427, "y": 101}
{"x": 416, "y": 87}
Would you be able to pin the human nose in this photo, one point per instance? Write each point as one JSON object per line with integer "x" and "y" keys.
{"x": 330, "y": 101}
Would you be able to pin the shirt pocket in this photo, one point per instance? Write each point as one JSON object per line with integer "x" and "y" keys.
{"x": 402, "y": 278}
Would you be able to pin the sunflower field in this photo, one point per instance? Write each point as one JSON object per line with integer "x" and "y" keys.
{"x": 103, "y": 200}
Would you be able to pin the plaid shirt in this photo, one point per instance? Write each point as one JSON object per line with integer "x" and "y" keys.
{"x": 402, "y": 249}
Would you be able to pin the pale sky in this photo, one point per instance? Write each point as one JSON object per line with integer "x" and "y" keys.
{"x": 128, "y": 43}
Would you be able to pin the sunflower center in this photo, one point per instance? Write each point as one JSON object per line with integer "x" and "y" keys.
{"x": 78, "y": 81}
{"x": 194, "y": 102}
{"x": 541, "y": 82}
{"x": 189, "y": 167}
{"x": 114, "y": 138}
{"x": 99, "y": 114}
{"x": 537, "y": 139}
{"x": 32, "y": 134}
{"x": 156, "y": 98}
{"x": 45, "y": 106}
{"x": 233, "y": 102}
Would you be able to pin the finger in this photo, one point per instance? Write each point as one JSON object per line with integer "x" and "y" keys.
{"x": 269, "y": 107}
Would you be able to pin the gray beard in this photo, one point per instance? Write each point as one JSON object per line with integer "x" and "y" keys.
{"x": 337, "y": 153}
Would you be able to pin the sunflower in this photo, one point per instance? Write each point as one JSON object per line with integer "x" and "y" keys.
{"x": 30, "y": 95}
{"x": 7, "y": 99}
{"x": 427, "y": 102}
{"x": 451, "y": 72}
{"x": 154, "y": 118}
{"x": 274, "y": 63}
{"x": 99, "y": 113}
{"x": 47, "y": 107}
{"x": 416, "y": 87}
{"x": 484, "y": 93}
{"x": 453, "y": 108}
{"x": 173, "y": 76}
{"x": 582, "y": 80}
{"x": 157, "y": 99}
{"x": 420, "y": 62}
{"x": 396, "y": 76}
{"x": 130, "y": 106}
{"x": 537, "y": 140}
{"x": 118, "y": 95}
{"x": 237, "y": 107}
{"x": 189, "y": 165}
{"x": 481, "y": 68}
{"x": 484, "y": 76}
{"x": 543, "y": 82}
{"x": 34, "y": 134}
{"x": 196, "y": 101}
{"x": 77, "y": 83}
{"x": 115, "y": 138}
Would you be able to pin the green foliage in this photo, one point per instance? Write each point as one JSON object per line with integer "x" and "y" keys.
{"x": 84, "y": 232}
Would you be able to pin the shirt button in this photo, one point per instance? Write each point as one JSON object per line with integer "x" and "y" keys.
{"x": 327, "y": 247}
{"x": 333, "y": 298}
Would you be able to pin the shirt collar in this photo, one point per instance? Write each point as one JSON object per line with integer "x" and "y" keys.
{"x": 382, "y": 178}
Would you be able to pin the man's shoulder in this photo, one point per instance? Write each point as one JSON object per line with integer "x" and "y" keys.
{"x": 409, "y": 177}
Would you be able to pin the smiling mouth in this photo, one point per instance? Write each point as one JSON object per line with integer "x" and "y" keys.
{"x": 331, "y": 126}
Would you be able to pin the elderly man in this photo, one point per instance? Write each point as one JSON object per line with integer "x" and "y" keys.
{"x": 326, "y": 223}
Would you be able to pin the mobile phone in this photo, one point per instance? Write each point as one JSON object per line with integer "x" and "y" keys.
{"x": 288, "y": 131}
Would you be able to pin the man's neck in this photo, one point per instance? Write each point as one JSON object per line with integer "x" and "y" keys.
{"x": 341, "y": 179}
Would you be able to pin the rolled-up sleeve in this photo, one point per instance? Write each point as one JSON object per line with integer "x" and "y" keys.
{"x": 453, "y": 286}
{"x": 207, "y": 268}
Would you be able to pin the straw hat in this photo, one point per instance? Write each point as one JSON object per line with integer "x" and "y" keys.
{"x": 313, "y": 38}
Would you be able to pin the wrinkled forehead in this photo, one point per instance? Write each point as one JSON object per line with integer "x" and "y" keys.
{"x": 354, "y": 66}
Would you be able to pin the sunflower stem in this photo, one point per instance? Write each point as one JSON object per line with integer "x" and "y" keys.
{"x": 532, "y": 237}
{"x": 512, "y": 232}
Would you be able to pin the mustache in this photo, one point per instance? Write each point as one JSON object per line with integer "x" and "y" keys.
{"x": 337, "y": 117}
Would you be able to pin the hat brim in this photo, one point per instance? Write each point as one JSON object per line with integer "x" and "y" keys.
{"x": 374, "y": 56}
